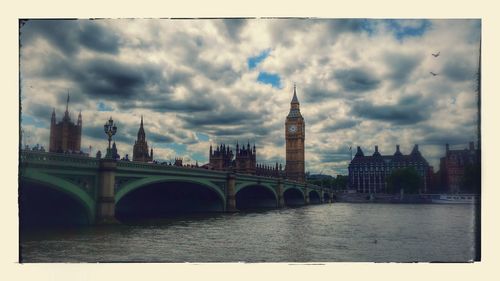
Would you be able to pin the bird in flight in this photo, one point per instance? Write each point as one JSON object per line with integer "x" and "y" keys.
{"x": 436, "y": 55}
{"x": 433, "y": 74}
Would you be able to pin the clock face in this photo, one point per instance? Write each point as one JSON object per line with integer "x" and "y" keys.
{"x": 292, "y": 129}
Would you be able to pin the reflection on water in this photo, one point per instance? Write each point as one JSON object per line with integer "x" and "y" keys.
{"x": 318, "y": 233}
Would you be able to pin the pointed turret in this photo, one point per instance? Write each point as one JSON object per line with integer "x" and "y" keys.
{"x": 141, "y": 135}
{"x": 398, "y": 153}
{"x": 294, "y": 105}
{"x": 415, "y": 150}
{"x": 79, "y": 122}
{"x": 66, "y": 113}
{"x": 295, "y": 99}
{"x": 53, "y": 118}
{"x": 359, "y": 152}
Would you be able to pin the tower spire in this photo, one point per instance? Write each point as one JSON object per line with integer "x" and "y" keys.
{"x": 295, "y": 99}
{"x": 66, "y": 113}
{"x": 67, "y": 102}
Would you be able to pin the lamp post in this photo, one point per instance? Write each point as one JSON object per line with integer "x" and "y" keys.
{"x": 110, "y": 130}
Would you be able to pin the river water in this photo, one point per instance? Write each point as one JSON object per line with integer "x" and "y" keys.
{"x": 339, "y": 232}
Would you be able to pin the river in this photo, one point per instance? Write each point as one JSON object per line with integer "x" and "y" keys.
{"x": 339, "y": 232}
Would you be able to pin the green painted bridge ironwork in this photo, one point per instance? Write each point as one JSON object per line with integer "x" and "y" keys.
{"x": 100, "y": 184}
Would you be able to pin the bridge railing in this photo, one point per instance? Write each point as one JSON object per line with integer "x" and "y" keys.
{"x": 58, "y": 158}
{"x": 160, "y": 167}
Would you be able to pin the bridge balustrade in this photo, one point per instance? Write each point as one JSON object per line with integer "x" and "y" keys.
{"x": 57, "y": 158}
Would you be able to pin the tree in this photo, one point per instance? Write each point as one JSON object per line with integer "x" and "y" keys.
{"x": 340, "y": 182}
{"x": 407, "y": 179}
{"x": 471, "y": 181}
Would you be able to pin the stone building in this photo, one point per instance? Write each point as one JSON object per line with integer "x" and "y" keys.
{"x": 452, "y": 166}
{"x": 295, "y": 138}
{"x": 65, "y": 136}
{"x": 141, "y": 152}
{"x": 221, "y": 158}
{"x": 243, "y": 161}
{"x": 368, "y": 174}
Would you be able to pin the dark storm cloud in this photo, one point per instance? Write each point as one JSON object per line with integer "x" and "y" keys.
{"x": 159, "y": 138}
{"x": 357, "y": 80}
{"x": 332, "y": 158}
{"x": 196, "y": 100}
{"x": 103, "y": 78}
{"x": 459, "y": 70}
{"x": 220, "y": 73}
{"x": 401, "y": 66}
{"x": 347, "y": 25}
{"x": 234, "y": 27}
{"x": 124, "y": 133}
{"x": 409, "y": 110}
{"x": 115, "y": 79}
{"x": 336, "y": 125}
{"x": 41, "y": 111}
{"x": 460, "y": 134}
{"x": 95, "y": 37}
{"x": 96, "y": 132}
{"x": 70, "y": 35}
{"x": 226, "y": 117}
{"x": 314, "y": 93}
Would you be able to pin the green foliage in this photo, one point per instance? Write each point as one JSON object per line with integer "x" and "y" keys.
{"x": 338, "y": 183}
{"x": 407, "y": 179}
{"x": 471, "y": 182}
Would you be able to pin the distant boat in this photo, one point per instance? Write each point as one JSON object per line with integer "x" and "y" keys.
{"x": 455, "y": 198}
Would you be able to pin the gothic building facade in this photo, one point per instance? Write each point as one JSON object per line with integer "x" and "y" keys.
{"x": 65, "y": 136}
{"x": 368, "y": 174}
{"x": 141, "y": 152}
{"x": 244, "y": 161}
{"x": 295, "y": 137}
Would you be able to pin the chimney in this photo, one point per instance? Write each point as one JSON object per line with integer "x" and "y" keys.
{"x": 376, "y": 148}
{"x": 447, "y": 149}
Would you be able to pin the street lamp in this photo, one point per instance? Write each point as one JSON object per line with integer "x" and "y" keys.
{"x": 110, "y": 130}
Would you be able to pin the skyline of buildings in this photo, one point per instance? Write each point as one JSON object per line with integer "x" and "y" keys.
{"x": 367, "y": 174}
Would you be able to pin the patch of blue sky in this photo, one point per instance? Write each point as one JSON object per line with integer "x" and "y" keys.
{"x": 269, "y": 78}
{"x": 102, "y": 107}
{"x": 254, "y": 61}
{"x": 202, "y": 137}
{"x": 179, "y": 148}
{"x": 368, "y": 26}
{"x": 29, "y": 120}
{"x": 200, "y": 157}
{"x": 403, "y": 28}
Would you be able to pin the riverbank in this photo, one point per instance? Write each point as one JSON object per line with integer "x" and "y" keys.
{"x": 407, "y": 198}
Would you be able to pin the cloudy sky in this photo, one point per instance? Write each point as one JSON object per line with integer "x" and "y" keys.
{"x": 200, "y": 82}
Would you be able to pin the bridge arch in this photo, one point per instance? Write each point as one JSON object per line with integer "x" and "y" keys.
{"x": 314, "y": 197}
{"x": 255, "y": 195}
{"x": 63, "y": 186}
{"x": 293, "y": 196}
{"x": 164, "y": 196}
{"x": 131, "y": 186}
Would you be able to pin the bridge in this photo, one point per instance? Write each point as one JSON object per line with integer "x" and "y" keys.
{"x": 86, "y": 190}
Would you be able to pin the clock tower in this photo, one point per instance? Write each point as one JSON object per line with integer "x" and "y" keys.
{"x": 295, "y": 136}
